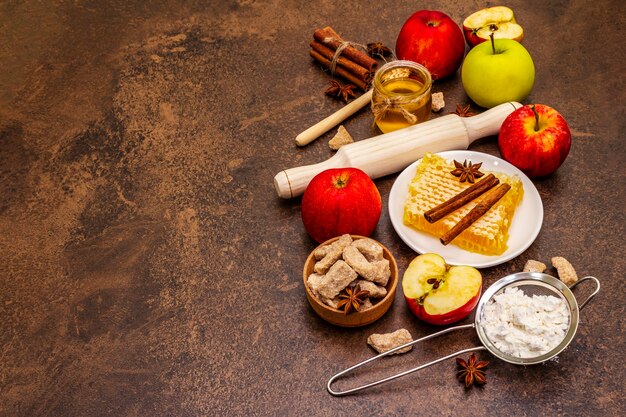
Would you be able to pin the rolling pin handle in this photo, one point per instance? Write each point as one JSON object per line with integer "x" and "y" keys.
{"x": 292, "y": 182}
{"x": 488, "y": 123}
{"x": 282, "y": 186}
{"x": 333, "y": 120}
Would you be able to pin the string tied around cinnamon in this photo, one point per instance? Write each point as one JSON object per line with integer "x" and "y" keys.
{"x": 342, "y": 46}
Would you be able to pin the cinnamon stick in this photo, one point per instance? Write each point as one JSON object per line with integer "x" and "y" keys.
{"x": 339, "y": 70}
{"x": 330, "y": 38}
{"x": 476, "y": 213}
{"x": 461, "y": 199}
{"x": 349, "y": 65}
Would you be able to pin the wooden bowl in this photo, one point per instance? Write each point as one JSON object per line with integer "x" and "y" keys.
{"x": 354, "y": 318}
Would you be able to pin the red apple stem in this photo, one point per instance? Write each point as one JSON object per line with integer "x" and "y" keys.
{"x": 493, "y": 44}
{"x": 532, "y": 106}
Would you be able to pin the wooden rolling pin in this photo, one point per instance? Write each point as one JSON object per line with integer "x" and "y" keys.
{"x": 392, "y": 152}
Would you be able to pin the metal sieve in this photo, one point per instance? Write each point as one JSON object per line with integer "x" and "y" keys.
{"x": 532, "y": 283}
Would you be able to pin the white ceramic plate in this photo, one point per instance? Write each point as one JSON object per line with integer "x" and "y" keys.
{"x": 524, "y": 228}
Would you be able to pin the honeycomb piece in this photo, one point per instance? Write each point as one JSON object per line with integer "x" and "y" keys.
{"x": 433, "y": 184}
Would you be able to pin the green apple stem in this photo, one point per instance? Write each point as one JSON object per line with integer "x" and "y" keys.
{"x": 493, "y": 44}
{"x": 532, "y": 106}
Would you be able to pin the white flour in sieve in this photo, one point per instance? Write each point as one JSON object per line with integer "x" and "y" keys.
{"x": 524, "y": 326}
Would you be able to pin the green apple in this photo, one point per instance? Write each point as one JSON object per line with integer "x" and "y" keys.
{"x": 498, "y": 71}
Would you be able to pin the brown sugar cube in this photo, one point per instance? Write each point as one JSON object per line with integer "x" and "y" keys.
{"x": 330, "y": 254}
{"x": 534, "y": 266}
{"x": 314, "y": 281}
{"x": 369, "y": 248}
{"x": 566, "y": 271}
{"x": 384, "y": 342}
{"x": 322, "y": 251}
{"x": 377, "y": 271}
{"x": 375, "y": 291}
{"x": 331, "y": 302}
{"x": 338, "y": 277}
{"x": 437, "y": 102}
{"x": 341, "y": 138}
{"x": 367, "y": 303}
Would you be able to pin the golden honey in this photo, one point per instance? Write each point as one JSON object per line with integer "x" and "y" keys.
{"x": 401, "y": 96}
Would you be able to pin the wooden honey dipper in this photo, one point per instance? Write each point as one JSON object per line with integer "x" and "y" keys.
{"x": 392, "y": 152}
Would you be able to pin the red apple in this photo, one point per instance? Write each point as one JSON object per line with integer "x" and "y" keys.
{"x": 536, "y": 139}
{"x": 498, "y": 20}
{"x": 338, "y": 201}
{"x": 440, "y": 294}
{"x": 434, "y": 40}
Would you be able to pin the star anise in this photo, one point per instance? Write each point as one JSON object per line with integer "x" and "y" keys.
{"x": 463, "y": 111}
{"x": 471, "y": 371}
{"x": 338, "y": 91}
{"x": 353, "y": 298}
{"x": 377, "y": 48}
{"x": 467, "y": 172}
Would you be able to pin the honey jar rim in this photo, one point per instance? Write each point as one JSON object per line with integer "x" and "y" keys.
{"x": 378, "y": 83}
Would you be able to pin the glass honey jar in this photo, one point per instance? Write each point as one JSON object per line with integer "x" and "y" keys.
{"x": 401, "y": 96}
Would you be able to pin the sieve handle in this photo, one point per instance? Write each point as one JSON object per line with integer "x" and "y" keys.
{"x": 571, "y": 287}
{"x": 389, "y": 378}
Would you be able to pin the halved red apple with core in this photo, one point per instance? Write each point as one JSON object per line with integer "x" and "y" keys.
{"x": 498, "y": 20}
{"x": 440, "y": 294}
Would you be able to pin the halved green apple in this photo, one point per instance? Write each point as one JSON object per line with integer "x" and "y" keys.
{"x": 498, "y": 20}
{"x": 440, "y": 294}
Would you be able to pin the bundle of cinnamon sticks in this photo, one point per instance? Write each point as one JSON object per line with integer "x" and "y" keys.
{"x": 463, "y": 198}
{"x": 353, "y": 65}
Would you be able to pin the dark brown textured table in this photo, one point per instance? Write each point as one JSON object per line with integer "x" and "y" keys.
{"x": 147, "y": 266}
